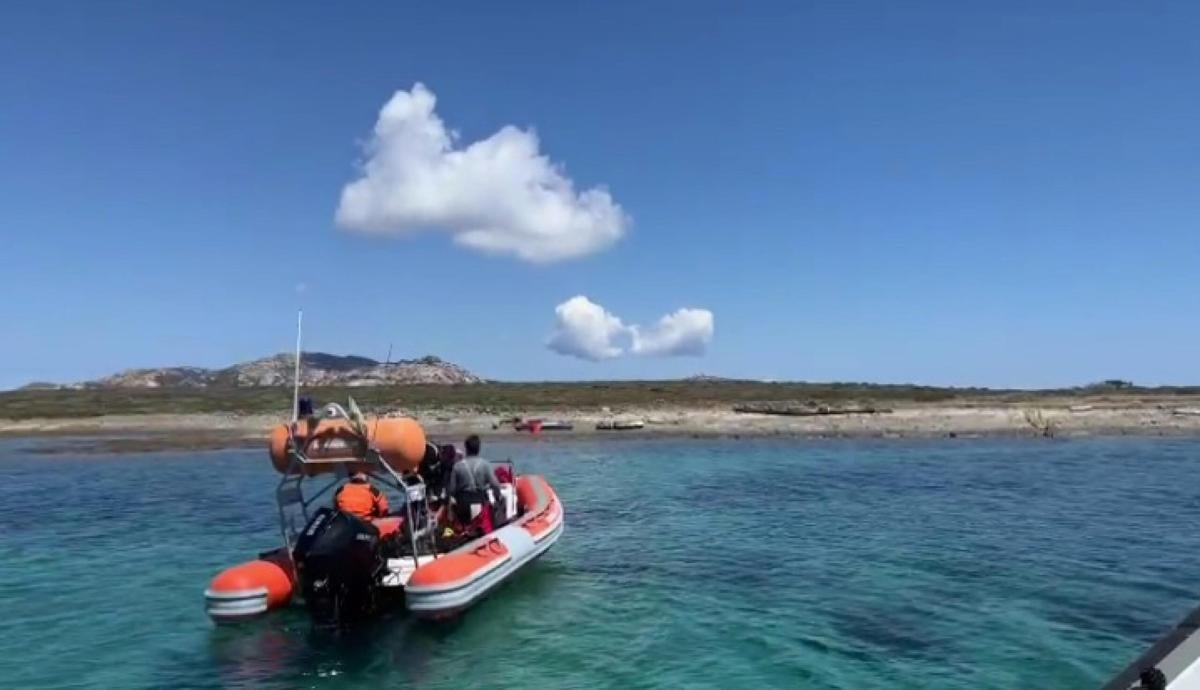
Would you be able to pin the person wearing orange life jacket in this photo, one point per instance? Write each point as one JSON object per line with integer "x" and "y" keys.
{"x": 360, "y": 499}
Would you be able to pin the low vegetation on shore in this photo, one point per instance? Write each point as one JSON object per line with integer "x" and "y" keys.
{"x": 502, "y": 398}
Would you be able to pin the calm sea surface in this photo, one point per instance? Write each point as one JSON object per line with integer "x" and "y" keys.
{"x": 792, "y": 564}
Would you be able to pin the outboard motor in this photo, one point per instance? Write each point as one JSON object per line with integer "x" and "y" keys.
{"x": 338, "y": 567}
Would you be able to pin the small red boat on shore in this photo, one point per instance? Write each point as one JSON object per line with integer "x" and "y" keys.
{"x": 343, "y": 568}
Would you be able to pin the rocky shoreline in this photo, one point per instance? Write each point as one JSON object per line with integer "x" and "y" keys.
{"x": 144, "y": 433}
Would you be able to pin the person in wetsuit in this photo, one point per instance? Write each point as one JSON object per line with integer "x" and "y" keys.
{"x": 468, "y": 488}
{"x": 360, "y": 499}
{"x": 435, "y": 470}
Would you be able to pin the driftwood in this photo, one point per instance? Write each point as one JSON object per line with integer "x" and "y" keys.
{"x": 799, "y": 411}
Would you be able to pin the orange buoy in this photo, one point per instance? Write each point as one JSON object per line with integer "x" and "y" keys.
{"x": 400, "y": 440}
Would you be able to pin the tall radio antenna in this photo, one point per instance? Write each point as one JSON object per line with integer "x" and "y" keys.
{"x": 296, "y": 377}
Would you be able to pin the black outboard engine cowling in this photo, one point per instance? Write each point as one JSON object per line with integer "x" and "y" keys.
{"x": 339, "y": 563}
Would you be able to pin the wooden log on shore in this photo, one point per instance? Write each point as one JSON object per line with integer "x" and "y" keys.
{"x": 798, "y": 411}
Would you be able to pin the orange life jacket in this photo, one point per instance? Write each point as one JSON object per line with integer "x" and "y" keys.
{"x": 361, "y": 500}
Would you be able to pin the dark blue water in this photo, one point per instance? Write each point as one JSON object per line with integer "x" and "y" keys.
{"x": 947, "y": 564}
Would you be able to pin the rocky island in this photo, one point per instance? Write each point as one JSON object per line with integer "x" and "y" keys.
{"x": 194, "y": 407}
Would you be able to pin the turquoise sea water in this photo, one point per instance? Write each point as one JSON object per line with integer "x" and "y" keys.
{"x": 797, "y": 564}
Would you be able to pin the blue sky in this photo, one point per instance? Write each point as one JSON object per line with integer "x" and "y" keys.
{"x": 1000, "y": 194}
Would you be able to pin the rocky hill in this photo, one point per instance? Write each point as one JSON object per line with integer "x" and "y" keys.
{"x": 316, "y": 369}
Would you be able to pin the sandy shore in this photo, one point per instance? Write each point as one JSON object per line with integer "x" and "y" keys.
{"x": 209, "y": 431}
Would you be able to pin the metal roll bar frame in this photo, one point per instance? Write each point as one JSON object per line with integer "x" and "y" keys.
{"x": 289, "y": 493}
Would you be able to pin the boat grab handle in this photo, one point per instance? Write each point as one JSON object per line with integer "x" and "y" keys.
{"x": 490, "y": 545}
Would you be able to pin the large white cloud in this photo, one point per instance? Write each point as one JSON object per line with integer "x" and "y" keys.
{"x": 498, "y": 195}
{"x": 685, "y": 332}
{"x": 588, "y": 331}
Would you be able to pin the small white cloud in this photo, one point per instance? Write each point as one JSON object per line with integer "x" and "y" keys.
{"x": 498, "y": 195}
{"x": 589, "y": 331}
{"x": 586, "y": 330}
{"x": 685, "y": 332}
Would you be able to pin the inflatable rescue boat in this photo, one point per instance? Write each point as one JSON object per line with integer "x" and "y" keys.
{"x": 343, "y": 568}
